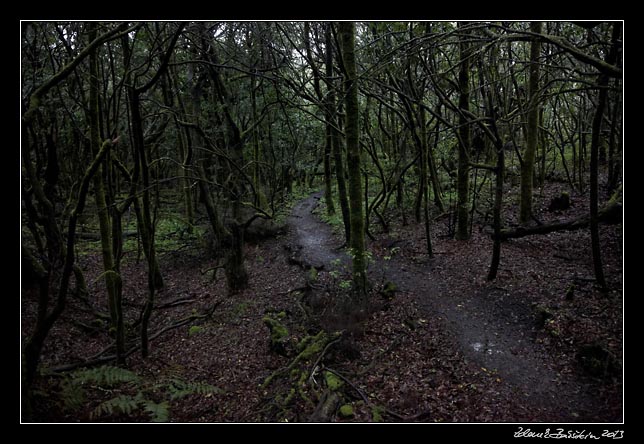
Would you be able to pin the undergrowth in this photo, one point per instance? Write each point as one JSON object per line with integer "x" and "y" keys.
{"x": 128, "y": 394}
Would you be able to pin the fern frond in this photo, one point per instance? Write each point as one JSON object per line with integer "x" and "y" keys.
{"x": 179, "y": 388}
{"x": 72, "y": 395}
{"x": 158, "y": 412}
{"x": 104, "y": 375}
{"x": 125, "y": 404}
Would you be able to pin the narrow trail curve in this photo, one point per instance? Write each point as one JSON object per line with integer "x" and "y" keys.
{"x": 489, "y": 328}
{"x": 495, "y": 332}
{"x": 318, "y": 246}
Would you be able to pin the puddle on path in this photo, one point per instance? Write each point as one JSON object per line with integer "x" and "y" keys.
{"x": 487, "y": 348}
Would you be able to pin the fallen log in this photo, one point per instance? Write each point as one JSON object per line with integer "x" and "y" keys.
{"x": 610, "y": 214}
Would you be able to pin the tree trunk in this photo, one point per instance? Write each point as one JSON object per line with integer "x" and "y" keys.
{"x": 328, "y": 175}
{"x": 609, "y": 214}
{"x": 327, "y": 108}
{"x": 347, "y": 32}
{"x": 143, "y": 216}
{"x": 431, "y": 163}
{"x": 336, "y": 146}
{"x": 424, "y": 161}
{"x": 527, "y": 168}
{"x": 256, "y": 146}
{"x": 612, "y": 145}
{"x": 218, "y": 229}
{"x": 602, "y": 83}
{"x": 112, "y": 278}
{"x": 462, "y": 229}
{"x": 498, "y": 205}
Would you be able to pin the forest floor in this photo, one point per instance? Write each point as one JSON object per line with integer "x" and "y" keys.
{"x": 440, "y": 344}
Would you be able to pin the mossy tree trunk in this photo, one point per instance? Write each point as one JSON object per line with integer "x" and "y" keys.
{"x": 357, "y": 244}
{"x": 532, "y": 136}
{"x": 462, "y": 177}
{"x": 336, "y": 146}
{"x": 112, "y": 277}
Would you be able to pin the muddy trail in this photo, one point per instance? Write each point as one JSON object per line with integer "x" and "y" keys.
{"x": 491, "y": 328}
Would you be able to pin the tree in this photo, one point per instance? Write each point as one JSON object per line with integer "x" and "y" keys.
{"x": 464, "y": 140}
{"x": 527, "y": 167}
{"x": 112, "y": 277}
{"x": 602, "y": 84}
{"x": 357, "y": 245}
{"x": 334, "y": 136}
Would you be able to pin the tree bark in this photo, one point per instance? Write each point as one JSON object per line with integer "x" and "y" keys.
{"x": 602, "y": 83}
{"x": 347, "y": 32}
{"x": 328, "y": 110}
{"x": 498, "y": 205}
{"x": 336, "y": 146}
{"x": 112, "y": 277}
{"x": 527, "y": 168}
{"x": 462, "y": 229}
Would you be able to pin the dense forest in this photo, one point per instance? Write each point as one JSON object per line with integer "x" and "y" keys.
{"x": 321, "y": 221}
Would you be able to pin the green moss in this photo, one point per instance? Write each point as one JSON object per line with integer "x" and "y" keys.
{"x": 316, "y": 346}
{"x": 332, "y": 381}
{"x": 279, "y": 332}
{"x": 389, "y": 289}
{"x": 240, "y": 308}
{"x": 195, "y": 329}
{"x": 376, "y": 413}
{"x": 303, "y": 343}
{"x": 346, "y": 411}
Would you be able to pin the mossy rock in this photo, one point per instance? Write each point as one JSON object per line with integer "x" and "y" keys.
{"x": 346, "y": 411}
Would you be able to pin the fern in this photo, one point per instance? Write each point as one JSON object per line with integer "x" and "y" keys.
{"x": 158, "y": 412}
{"x": 121, "y": 404}
{"x": 179, "y": 388}
{"x": 74, "y": 385}
{"x": 71, "y": 395}
{"x": 105, "y": 375}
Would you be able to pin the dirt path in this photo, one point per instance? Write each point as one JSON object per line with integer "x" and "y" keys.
{"x": 315, "y": 239}
{"x": 492, "y": 329}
